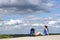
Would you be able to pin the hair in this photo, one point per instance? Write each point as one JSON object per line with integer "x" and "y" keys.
{"x": 46, "y": 27}
{"x": 32, "y": 29}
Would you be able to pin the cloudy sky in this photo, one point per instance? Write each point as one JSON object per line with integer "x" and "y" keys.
{"x": 19, "y": 16}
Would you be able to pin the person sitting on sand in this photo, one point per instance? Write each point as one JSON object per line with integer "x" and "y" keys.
{"x": 32, "y": 31}
{"x": 45, "y": 31}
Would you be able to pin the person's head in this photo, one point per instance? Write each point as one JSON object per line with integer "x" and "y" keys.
{"x": 45, "y": 26}
{"x": 32, "y": 29}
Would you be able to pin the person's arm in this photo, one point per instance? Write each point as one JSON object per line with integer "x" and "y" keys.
{"x": 47, "y": 31}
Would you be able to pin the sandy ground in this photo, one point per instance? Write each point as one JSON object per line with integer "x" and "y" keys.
{"x": 48, "y": 37}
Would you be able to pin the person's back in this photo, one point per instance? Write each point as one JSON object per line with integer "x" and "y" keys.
{"x": 44, "y": 32}
{"x": 32, "y": 31}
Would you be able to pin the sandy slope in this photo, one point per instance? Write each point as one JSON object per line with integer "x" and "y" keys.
{"x": 49, "y": 37}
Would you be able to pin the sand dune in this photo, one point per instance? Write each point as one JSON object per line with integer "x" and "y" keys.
{"x": 48, "y": 37}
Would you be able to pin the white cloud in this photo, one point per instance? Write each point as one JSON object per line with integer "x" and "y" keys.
{"x": 52, "y": 22}
{"x": 13, "y": 22}
{"x": 32, "y": 17}
{"x": 26, "y": 24}
{"x": 23, "y": 24}
{"x": 35, "y": 24}
{"x": 50, "y": 5}
{"x": 0, "y": 23}
{"x": 57, "y": 26}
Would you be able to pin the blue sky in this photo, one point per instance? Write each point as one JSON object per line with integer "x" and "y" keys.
{"x": 19, "y": 16}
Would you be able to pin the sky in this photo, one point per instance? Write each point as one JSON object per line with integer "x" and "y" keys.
{"x": 19, "y": 16}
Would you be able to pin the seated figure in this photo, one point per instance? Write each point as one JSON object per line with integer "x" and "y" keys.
{"x": 32, "y": 31}
{"x": 45, "y": 32}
